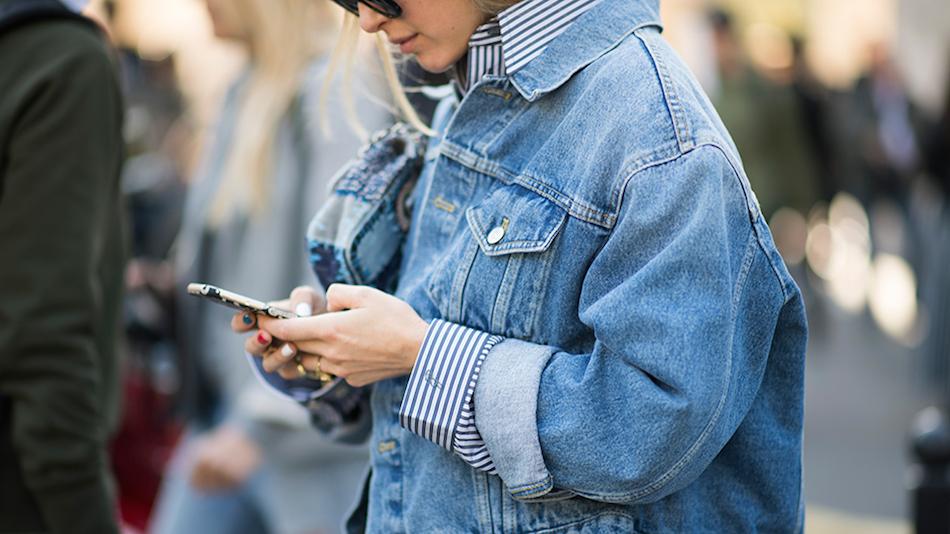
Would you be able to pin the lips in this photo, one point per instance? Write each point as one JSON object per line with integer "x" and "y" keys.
{"x": 405, "y": 44}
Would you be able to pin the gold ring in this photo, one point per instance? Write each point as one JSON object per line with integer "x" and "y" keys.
{"x": 307, "y": 373}
{"x": 326, "y": 377}
{"x": 313, "y": 375}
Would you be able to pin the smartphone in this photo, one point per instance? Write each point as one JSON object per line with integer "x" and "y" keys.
{"x": 236, "y": 301}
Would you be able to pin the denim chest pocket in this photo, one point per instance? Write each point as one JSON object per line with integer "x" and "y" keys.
{"x": 493, "y": 274}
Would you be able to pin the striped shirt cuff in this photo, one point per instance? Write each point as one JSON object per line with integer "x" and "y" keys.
{"x": 438, "y": 400}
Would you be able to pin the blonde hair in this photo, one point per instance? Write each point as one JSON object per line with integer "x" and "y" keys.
{"x": 345, "y": 50}
{"x": 285, "y": 35}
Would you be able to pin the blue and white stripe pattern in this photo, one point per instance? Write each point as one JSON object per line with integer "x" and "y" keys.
{"x": 485, "y": 53}
{"x": 438, "y": 400}
{"x": 528, "y": 27}
{"x": 468, "y": 442}
{"x": 506, "y": 43}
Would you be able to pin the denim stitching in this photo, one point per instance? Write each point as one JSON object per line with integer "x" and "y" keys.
{"x": 669, "y": 91}
{"x": 512, "y": 247}
{"x": 533, "y": 490}
{"x": 499, "y": 313}
{"x": 484, "y": 166}
{"x": 571, "y": 526}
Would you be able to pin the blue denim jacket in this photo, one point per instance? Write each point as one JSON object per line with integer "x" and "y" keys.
{"x": 652, "y": 376}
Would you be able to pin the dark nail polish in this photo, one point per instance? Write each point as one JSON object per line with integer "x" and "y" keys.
{"x": 248, "y": 319}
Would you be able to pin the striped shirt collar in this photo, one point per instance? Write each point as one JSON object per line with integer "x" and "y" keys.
{"x": 506, "y": 43}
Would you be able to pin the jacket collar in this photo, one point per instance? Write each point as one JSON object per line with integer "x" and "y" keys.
{"x": 590, "y": 36}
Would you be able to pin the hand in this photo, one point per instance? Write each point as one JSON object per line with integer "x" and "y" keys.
{"x": 224, "y": 459}
{"x": 365, "y": 336}
{"x": 304, "y": 300}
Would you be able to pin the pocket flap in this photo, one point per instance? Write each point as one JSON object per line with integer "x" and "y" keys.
{"x": 514, "y": 220}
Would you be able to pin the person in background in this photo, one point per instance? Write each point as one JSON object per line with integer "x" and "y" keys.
{"x": 885, "y": 160}
{"x": 886, "y": 130}
{"x": 63, "y": 236}
{"x": 249, "y": 461}
{"x": 592, "y": 330}
{"x": 159, "y": 141}
{"x": 818, "y": 105}
{"x": 767, "y": 124}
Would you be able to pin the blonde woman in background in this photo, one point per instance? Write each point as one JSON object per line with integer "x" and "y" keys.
{"x": 249, "y": 461}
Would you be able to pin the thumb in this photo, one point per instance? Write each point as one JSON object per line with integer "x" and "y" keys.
{"x": 345, "y": 297}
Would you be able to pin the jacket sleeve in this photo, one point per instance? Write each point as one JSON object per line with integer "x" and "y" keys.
{"x": 677, "y": 359}
{"x": 59, "y": 200}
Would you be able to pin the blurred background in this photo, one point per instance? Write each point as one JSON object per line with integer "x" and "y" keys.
{"x": 841, "y": 112}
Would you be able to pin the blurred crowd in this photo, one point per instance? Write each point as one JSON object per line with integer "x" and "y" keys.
{"x": 855, "y": 184}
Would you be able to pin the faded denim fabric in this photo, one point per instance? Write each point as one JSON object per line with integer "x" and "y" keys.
{"x": 652, "y": 379}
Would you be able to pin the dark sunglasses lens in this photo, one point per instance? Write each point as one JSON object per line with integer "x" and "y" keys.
{"x": 349, "y": 5}
{"x": 384, "y": 7}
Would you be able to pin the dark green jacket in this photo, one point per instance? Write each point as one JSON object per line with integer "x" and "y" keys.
{"x": 61, "y": 271}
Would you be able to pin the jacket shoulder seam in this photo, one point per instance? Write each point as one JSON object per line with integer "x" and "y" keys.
{"x": 670, "y": 96}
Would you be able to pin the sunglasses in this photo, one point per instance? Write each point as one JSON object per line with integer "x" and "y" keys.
{"x": 387, "y": 8}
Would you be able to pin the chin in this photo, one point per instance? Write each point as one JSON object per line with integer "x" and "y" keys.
{"x": 435, "y": 65}
{"x": 434, "y": 68}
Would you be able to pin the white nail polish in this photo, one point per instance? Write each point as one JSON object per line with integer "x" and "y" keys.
{"x": 304, "y": 310}
{"x": 287, "y": 351}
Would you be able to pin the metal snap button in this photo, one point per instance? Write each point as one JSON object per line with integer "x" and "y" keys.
{"x": 496, "y": 234}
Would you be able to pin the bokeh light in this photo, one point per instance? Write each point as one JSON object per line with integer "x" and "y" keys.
{"x": 839, "y": 252}
{"x": 790, "y": 233}
{"x": 892, "y": 297}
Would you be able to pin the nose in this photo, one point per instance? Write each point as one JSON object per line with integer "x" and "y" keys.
{"x": 370, "y": 20}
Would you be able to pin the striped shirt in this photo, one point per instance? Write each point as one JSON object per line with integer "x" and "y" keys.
{"x": 506, "y": 43}
{"x": 438, "y": 402}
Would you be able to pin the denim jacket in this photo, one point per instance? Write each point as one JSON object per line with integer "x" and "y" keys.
{"x": 593, "y": 210}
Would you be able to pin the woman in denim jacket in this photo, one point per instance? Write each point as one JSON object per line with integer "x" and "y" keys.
{"x": 593, "y": 331}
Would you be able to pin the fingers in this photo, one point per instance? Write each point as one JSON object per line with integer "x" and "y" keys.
{"x": 304, "y": 301}
{"x": 307, "y": 301}
{"x": 258, "y": 343}
{"x": 243, "y": 322}
{"x": 275, "y": 353}
{"x": 284, "y": 361}
{"x": 224, "y": 459}
{"x": 204, "y": 477}
{"x": 304, "y": 365}
{"x": 346, "y": 297}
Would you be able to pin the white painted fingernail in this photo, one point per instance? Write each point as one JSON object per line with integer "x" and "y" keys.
{"x": 287, "y": 350}
{"x": 304, "y": 310}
